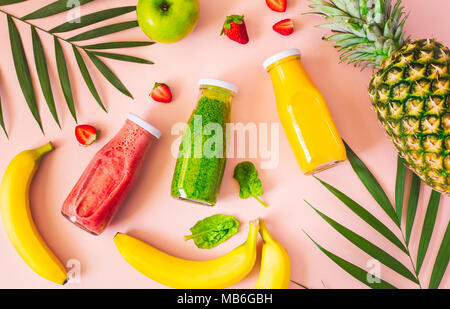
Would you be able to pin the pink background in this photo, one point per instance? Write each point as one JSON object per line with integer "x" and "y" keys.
{"x": 150, "y": 213}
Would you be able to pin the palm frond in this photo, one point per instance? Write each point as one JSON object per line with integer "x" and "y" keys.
{"x": 91, "y": 19}
{"x": 115, "y": 45}
{"x": 371, "y": 184}
{"x": 87, "y": 77}
{"x": 2, "y": 122}
{"x": 375, "y": 189}
{"x": 43, "y": 75}
{"x": 62, "y": 63}
{"x": 23, "y": 71}
{"x": 368, "y": 247}
{"x": 53, "y": 8}
{"x": 64, "y": 78}
{"x": 427, "y": 228}
{"x": 442, "y": 260}
{"x": 412, "y": 206}
{"x": 355, "y": 271}
{"x": 108, "y": 74}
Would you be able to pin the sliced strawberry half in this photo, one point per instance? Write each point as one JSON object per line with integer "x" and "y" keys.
{"x": 86, "y": 134}
{"x": 277, "y": 5}
{"x": 284, "y": 27}
{"x": 161, "y": 93}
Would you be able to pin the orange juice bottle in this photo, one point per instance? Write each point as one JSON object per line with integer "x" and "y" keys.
{"x": 304, "y": 114}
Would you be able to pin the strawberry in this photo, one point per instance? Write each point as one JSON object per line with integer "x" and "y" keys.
{"x": 85, "y": 134}
{"x": 235, "y": 29}
{"x": 284, "y": 27}
{"x": 161, "y": 93}
{"x": 277, "y": 5}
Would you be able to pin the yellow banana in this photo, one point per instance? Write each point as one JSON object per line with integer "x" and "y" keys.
{"x": 185, "y": 274}
{"x": 17, "y": 219}
{"x": 275, "y": 264}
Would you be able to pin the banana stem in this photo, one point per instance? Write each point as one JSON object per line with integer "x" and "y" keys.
{"x": 41, "y": 151}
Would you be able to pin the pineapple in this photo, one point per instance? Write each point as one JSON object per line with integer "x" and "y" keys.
{"x": 410, "y": 86}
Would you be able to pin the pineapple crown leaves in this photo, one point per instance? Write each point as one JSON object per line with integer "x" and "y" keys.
{"x": 93, "y": 53}
{"x": 364, "y": 31}
{"x": 237, "y": 19}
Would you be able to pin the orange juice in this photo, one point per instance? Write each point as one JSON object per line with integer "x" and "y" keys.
{"x": 304, "y": 114}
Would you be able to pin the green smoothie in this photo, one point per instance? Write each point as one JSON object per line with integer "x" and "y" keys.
{"x": 202, "y": 154}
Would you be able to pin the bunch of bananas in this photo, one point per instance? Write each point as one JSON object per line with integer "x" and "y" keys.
{"x": 213, "y": 274}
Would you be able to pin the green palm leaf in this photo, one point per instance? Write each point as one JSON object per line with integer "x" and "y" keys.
{"x": 122, "y": 57}
{"x": 42, "y": 72}
{"x": 368, "y": 247}
{"x": 441, "y": 262}
{"x": 115, "y": 45}
{"x": 105, "y": 30}
{"x": 7, "y": 2}
{"x": 87, "y": 77}
{"x": 64, "y": 78}
{"x": 92, "y": 18}
{"x": 23, "y": 71}
{"x": 365, "y": 215}
{"x": 412, "y": 205}
{"x": 355, "y": 271}
{"x": 53, "y": 8}
{"x": 427, "y": 228}
{"x": 371, "y": 184}
{"x": 400, "y": 186}
{"x": 108, "y": 74}
{"x": 2, "y": 122}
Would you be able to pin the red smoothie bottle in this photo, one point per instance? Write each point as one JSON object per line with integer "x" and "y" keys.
{"x": 105, "y": 183}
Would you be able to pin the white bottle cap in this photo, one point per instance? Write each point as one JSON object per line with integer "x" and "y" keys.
{"x": 279, "y": 56}
{"x": 144, "y": 124}
{"x": 218, "y": 83}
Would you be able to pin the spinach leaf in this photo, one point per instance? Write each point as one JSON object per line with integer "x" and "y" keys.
{"x": 213, "y": 230}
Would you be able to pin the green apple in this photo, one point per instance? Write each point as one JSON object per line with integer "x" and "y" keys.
{"x": 167, "y": 21}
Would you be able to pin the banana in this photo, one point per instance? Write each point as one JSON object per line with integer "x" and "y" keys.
{"x": 186, "y": 274}
{"x": 17, "y": 219}
{"x": 275, "y": 269}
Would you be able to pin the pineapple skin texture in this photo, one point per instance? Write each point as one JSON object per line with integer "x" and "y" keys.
{"x": 410, "y": 94}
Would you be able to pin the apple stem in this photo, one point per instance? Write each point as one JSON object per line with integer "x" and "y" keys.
{"x": 165, "y": 6}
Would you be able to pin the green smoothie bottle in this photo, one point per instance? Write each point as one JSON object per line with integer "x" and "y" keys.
{"x": 202, "y": 155}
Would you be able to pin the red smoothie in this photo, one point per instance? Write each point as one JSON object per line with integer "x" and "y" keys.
{"x": 108, "y": 178}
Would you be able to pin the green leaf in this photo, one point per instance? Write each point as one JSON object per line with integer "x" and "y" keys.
{"x": 441, "y": 262}
{"x": 368, "y": 247}
{"x": 412, "y": 205}
{"x": 64, "y": 78}
{"x": 42, "y": 72}
{"x": 246, "y": 175}
{"x": 105, "y": 30}
{"x": 365, "y": 215}
{"x": 2, "y": 122}
{"x": 7, "y": 2}
{"x": 400, "y": 186}
{"x": 87, "y": 77}
{"x": 108, "y": 74}
{"x": 299, "y": 284}
{"x": 427, "y": 228}
{"x": 114, "y": 45}
{"x": 23, "y": 71}
{"x": 371, "y": 184}
{"x": 355, "y": 271}
{"x": 213, "y": 230}
{"x": 53, "y": 8}
{"x": 122, "y": 57}
{"x": 92, "y": 18}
